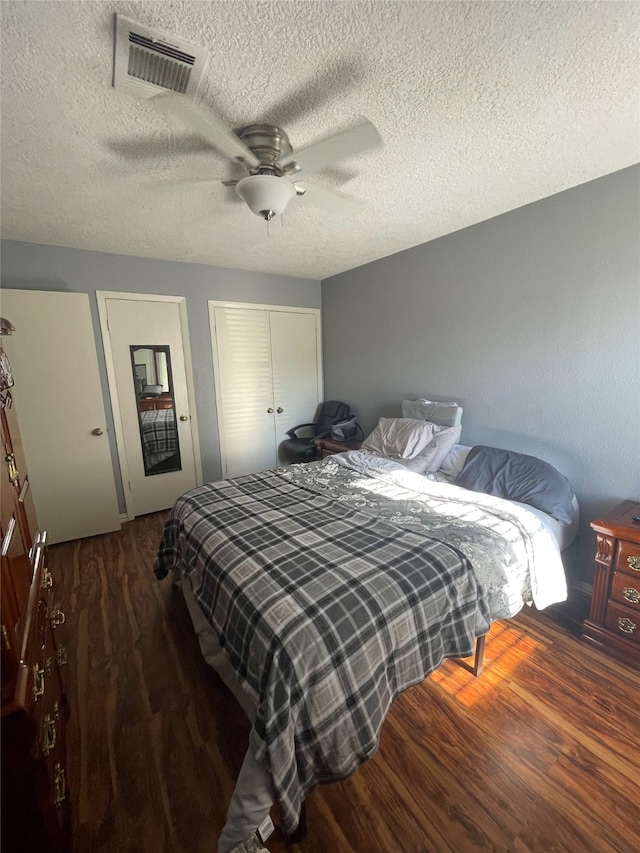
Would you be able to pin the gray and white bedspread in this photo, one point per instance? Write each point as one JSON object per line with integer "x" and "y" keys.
{"x": 514, "y": 556}
{"x": 326, "y": 611}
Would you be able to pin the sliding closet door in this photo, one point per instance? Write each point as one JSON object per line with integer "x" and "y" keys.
{"x": 267, "y": 373}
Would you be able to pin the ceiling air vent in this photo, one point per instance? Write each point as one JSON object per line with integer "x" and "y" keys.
{"x": 148, "y": 62}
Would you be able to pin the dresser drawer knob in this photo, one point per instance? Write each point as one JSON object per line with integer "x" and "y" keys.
{"x": 58, "y": 618}
{"x": 48, "y": 735}
{"x": 47, "y": 579}
{"x": 59, "y": 786}
{"x": 626, "y": 625}
{"x": 634, "y": 563}
{"x": 630, "y": 593}
{"x": 38, "y": 681}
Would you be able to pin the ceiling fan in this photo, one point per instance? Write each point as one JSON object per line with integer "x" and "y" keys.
{"x": 265, "y": 152}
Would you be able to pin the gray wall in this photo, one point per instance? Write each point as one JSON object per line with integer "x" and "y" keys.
{"x": 530, "y": 320}
{"x": 30, "y": 266}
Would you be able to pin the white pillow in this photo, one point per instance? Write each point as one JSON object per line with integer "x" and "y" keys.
{"x": 426, "y": 444}
{"x": 454, "y": 462}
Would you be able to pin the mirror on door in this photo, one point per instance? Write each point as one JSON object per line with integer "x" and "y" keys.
{"x": 153, "y": 383}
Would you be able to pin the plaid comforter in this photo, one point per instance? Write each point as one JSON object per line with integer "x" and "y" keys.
{"x": 158, "y": 431}
{"x": 326, "y": 612}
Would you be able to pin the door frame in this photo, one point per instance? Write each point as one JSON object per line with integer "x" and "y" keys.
{"x": 102, "y": 297}
{"x": 255, "y": 306}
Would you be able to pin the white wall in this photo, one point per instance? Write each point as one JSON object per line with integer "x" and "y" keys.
{"x": 530, "y": 320}
{"x": 32, "y": 266}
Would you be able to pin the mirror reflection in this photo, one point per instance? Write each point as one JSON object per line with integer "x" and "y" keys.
{"x": 156, "y": 408}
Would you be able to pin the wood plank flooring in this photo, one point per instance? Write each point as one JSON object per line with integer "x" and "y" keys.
{"x": 539, "y": 754}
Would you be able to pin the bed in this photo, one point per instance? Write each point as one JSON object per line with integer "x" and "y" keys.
{"x": 321, "y": 591}
{"x": 159, "y": 436}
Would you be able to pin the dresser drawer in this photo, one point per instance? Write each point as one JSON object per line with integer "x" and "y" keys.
{"x": 624, "y": 621}
{"x": 626, "y": 590}
{"x": 628, "y": 558}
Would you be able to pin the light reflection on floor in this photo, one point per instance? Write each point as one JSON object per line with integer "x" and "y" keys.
{"x": 507, "y": 648}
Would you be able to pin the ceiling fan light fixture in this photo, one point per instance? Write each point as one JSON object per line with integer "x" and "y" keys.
{"x": 266, "y": 195}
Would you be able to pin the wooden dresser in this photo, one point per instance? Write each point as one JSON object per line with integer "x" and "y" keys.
{"x": 154, "y": 404}
{"x": 614, "y": 620}
{"x": 35, "y": 797}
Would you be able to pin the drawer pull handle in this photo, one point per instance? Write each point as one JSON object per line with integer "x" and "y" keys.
{"x": 62, "y": 656}
{"x": 58, "y": 618}
{"x": 47, "y": 579}
{"x": 48, "y": 735}
{"x": 634, "y": 563}
{"x": 59, "y": 786}
{"x": 10, "y": 459}
{"x": 630, "y": 593}
{"x": 626, "y": 625}
{"x": 38, "y": 681}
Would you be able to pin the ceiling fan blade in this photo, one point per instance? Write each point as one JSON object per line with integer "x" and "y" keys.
{"x": 331, "y": 200}
{"x": 184, "y": 182}
{"x": 207, "y": 126}
{"x": 328, "y": 151}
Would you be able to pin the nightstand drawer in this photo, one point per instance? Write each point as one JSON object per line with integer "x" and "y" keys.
{"x": 624, "y": 621}
{"x": 626, "y": 590}
{"x": 628, "y": 558}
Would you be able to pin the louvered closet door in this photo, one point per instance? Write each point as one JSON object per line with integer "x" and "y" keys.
{"x": 244, "y": 390}
{"x": 264, "y": 360}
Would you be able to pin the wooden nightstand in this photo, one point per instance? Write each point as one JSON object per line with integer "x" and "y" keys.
{"x": 614, "y": 620}
{"x": 329, "y": 446}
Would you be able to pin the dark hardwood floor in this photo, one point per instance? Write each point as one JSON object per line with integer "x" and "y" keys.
{"x": 541, "y": 753}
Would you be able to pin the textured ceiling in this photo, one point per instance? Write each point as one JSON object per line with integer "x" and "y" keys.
{"x": 483, "y": 107}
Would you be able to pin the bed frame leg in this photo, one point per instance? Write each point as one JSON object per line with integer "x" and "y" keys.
{"x": 478, "y": 658}
{"x": 300, "y": 832}
{"x": 475, "y": 668}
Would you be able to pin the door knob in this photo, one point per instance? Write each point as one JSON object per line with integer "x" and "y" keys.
{"x": 269, "y": 411}
{"x": 96, "y": 431}
{"x": 184, "y": 418}
{"x": 279, "y": 410}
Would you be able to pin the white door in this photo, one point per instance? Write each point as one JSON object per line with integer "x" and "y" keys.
{"x": 148, "y": 357}
{"x": 60, "y": 408}
{"x": 295, "y": 376}
{"x": 267, "y": 373}
{"x": 244, "y": 390}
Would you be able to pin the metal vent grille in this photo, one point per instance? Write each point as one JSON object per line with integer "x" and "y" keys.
{"x": 146, "y": 62}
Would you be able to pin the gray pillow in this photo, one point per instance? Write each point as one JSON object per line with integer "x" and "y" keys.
{"x": 518, "y": 477}
{"x": 443, "y": 414}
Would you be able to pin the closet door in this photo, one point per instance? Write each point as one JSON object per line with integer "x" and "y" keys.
{"x": 295, "y": 376}
{"x": 267, "y": 374}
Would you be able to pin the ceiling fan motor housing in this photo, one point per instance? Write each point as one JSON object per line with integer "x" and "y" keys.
{"x": 268, "y": 143}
